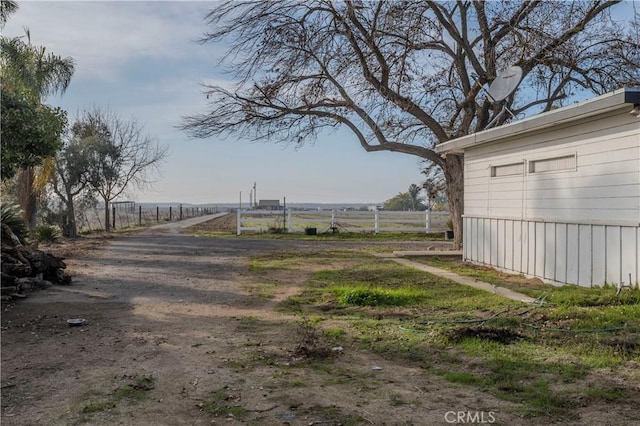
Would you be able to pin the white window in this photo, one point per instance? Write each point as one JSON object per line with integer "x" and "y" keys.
{"x": 556, "y": 164}
{"x": 513, "y": 169}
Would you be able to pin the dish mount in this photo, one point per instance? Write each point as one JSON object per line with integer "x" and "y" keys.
{"x": 501, "y": 88}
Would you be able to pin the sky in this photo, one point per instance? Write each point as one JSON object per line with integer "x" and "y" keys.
{"x": 140, "y": 61}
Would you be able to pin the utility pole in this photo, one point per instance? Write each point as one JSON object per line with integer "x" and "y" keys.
{"x": 255, "y": 197}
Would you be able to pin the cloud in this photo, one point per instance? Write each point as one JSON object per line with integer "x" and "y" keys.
{"x": 105, "y": 37}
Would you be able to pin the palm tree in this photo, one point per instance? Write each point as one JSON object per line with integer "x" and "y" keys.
{"x": 414, "y": 192}
{"x": 7, "y": 7}
{"x": 38, "y": 74}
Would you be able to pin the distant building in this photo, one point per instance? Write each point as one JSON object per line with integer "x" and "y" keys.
{"x": 557, "y": 195}
{"x": 269, "y": 205}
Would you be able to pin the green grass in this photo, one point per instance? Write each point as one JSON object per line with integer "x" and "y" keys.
{"x": 537, "y": 356}
{"x": 378, "y": 296}
{"x": 98, "y": 407}
{"x": 609, "y": 395}
{"x": 133, "y": 392}
{"x": 221, "y": 403}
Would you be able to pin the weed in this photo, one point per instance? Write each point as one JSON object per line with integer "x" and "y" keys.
{"x": 309, "y": 342}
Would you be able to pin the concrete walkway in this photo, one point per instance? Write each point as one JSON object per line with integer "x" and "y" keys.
{"x": 472, "y": 282}
{"x": 177, "y": 226}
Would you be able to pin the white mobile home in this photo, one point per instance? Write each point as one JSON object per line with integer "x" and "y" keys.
{"x": 557, "y": 195}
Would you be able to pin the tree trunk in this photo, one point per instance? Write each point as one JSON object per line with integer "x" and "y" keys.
{"x": 27, "y": 198}
{"x": 454, "y": 175}
{"x": 107, "y": 216}
{"x": 71, "y": 229}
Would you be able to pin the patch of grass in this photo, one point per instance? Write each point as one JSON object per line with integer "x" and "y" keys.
{"x": 396, "y": 400}
{"x": 262, "y": 290}
{"x": 432, "y": 291}
{"x": 98, "y": 407}
{"x": 530, "y": 287}
{"x": 335, "y": 333}
{"x": 133, "y": 392}
{"x": 333, "y": 415}
{"x": 292, "y": 260}
{"x": 221, "y": 403}
{"x": 539, "y": 357}
{"x": 606, "y": 394}
{"x": 378, "y": 296}
{"x": 136, "y": 391}
{"x": 249, "y": 323}
{"x": 461, "y": 377}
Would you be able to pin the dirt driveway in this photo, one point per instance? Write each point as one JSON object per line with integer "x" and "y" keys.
{"x": 173, "y": 337}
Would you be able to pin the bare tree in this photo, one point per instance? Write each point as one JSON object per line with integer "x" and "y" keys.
{"x": 74, "y": 166}
{"x": 404, "y": 76}
{"x": 121, "y": 156}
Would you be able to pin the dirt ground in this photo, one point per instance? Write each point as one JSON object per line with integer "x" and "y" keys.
{"x": 169, "y": 316}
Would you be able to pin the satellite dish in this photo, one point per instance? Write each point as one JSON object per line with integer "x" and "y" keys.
{"x": 505, "y": 83}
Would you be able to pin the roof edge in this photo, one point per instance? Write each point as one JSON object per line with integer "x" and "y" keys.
{"x": 574, "y": 112}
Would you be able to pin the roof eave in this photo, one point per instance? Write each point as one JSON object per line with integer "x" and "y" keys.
{"x": 598, "y": 105}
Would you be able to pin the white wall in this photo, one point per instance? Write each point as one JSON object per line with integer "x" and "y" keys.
{"x": 560, "y": 252}
{"x": 579, "y": 225}
{"x": 603, "y": 187}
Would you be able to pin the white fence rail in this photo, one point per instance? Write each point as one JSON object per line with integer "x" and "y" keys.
{"x": 335, "y": 221}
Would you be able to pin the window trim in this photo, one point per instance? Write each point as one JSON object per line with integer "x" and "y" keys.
{"x": 493, "y": 168}
{"x": 532, "y": 164}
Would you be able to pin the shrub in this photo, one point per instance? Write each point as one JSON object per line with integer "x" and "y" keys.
{"x": 12, "y": 217}
{"x": 48, "y": 233}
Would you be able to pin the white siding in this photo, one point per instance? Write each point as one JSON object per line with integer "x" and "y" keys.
{"x": 572, "y": 215}
{"x": 558, "y": 252}
{"x": 599, "y": 180}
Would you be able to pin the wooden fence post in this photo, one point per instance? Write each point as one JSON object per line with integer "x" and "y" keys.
{"x": 139, "y": 215}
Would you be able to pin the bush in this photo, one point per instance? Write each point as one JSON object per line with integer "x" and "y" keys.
{"x": 47, "y": 233}
{"x": 12, "y": 217}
